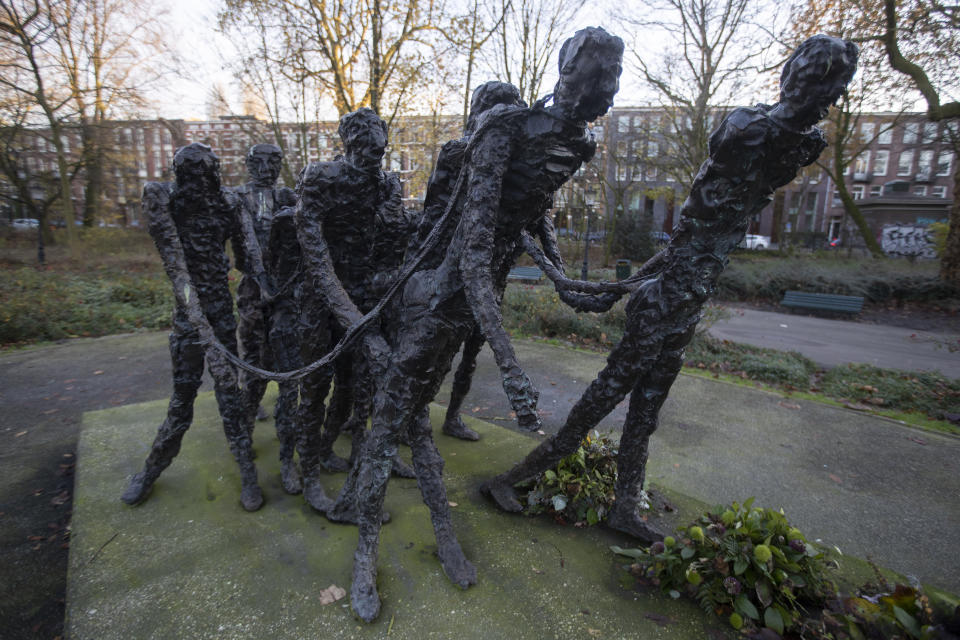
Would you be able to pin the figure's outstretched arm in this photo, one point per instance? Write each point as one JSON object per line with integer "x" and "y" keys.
{"x": 481, "y": 205}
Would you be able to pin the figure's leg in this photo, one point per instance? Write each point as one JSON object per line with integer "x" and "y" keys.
{"x": 251, "y": 334}
{"x": 403, "y": 393}
{"x": 284, "y": 341}
{"x": 453, "y": 424}
{"x": 187, "y": 357}
{"x": 429, "y": 468}
{"x": 626, "y": 363}
{"x": 337, "y": 413}
{"x": 314, "y": 341}
{"x": 646, "y": 400}
{"x": 236, "y": 421}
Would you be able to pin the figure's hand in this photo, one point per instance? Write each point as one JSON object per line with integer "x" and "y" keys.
{"x": 523, "y": 398}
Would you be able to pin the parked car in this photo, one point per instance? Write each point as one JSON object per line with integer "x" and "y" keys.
{"x": 26, "y": 223}
{"x": 752, "y": 241}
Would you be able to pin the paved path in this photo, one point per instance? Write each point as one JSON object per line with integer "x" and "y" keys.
{"x": 832, "y": 342}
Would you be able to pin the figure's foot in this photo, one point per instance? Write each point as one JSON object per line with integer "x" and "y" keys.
{"x": 502, "y": 494}
{"x": 459, "y": 570}
{"x": 455, "y": 428}
{"x": 529, "y": 421}
{"x": 290, "y": 477}
{"x": 627, "y": 521}
{"x": 334, "y": 463}
{"x": 251, "y": 497}
{"x": 364, "y": 599}
{"x": 138, "y": 489}
{"x": 262, "y": 413}
{"x": 401, "y": 469}
{"x": 315, "y": 496}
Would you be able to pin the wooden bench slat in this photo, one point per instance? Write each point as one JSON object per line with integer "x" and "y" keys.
{"x": 823, "y": 301}
{"x": 525, "y": 273}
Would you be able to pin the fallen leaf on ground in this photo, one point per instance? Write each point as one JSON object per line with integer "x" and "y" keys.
{"x": 917, "y": 440}
{"x": 475, "y": 409}
{"x": 835, "y": 478}
{"x": 331, "y": 594}
{"x": 788, "y": 405}
{"x": 49, "y": 411}
{"x": 22, "y": 433}
{"x": 60, "y": 499}
{"x": 453, "y": 504}
{"x": 857, "y": 407}
{"x": 539, "y": 572}
{"x": 541, "y": 432}
{"x": 98, "y": 372}
{"x": 594, "y": 632}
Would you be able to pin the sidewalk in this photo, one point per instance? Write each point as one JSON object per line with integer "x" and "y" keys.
{"x": 831, "y": 342}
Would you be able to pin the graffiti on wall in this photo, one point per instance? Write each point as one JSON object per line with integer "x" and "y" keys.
{"x": 907, "y": 241}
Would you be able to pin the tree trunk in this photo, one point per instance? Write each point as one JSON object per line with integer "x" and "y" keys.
{"x": 93, "y": 169}
{"x": 950, "y": 261}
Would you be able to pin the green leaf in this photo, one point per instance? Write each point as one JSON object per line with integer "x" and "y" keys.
{"x": 687, "y": 553}
{"x": 748, "y": 503}
{"x": 771, "y": 618}
{"x": 550, "y": 475}
{"x": 592, "y": 517}
{"x": 674, "y": 594}
{"x": 743, "y": 606}
{"x": 908, "y": 622}
{"x": 740, "y": 565}
{"x": 559, "y": 503}
{"x": 763, "y": 593}
{"x": 630, "y": 553}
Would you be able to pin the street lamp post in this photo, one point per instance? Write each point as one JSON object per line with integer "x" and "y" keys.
{"x": 588, "y": 200}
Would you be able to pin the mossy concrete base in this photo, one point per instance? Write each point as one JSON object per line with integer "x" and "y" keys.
{"x": 190, "y": 563}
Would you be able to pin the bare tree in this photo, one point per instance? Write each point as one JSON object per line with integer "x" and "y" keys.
{"x": 362, "y": 53}
{"x": 930, "y": 32}
{"x": 527, "y": 39}
{"x": 27, "y": 46}
{"x": 711, "y": 47}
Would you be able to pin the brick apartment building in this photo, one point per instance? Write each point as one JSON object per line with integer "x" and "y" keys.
{"x": 911, "y": 156}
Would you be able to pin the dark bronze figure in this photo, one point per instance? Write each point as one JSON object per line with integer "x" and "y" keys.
{"x": 343, "y": 202}
{"x": 190, "y": 222}
{"x": 513, "y": 164}
{"x": 267, "y": 288}
{"x": 752, "y": 153}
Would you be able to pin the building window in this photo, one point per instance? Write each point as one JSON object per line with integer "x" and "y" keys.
{"x": 876, "y": 191}
{"x": 910, "y": 132}
{"x": 836, "y": 198}
{"x": 880, "y": 162}
{"x": 862, "y": 163}
{"x": 886, "y": 135}
{"x": 939, "y": 191}
{"x": 920, "y": 190}
{"x": 944, "y": 163}
{"x": 812, "y": 203}
{"x": 866, "y": 132}
{"x": 906, "y": 163}
{"x": 857, "y": 192}
{"x": 929, "y": 132}
{"x": 623, "y": 124}
{"x": 925, "y": 163}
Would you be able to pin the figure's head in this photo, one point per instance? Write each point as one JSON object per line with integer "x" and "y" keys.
{"x": 590, "y": 66}
{"x": 263, "y": 164}
{"x": 815, "y": 76}
{"x": 364, "y": 137}
{"x": 488, "y": 95}
{"x": 196, "y": 164}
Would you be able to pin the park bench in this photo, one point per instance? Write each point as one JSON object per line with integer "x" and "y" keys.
{"x": 823, "y": 302}
{"x": 525, "y": 274}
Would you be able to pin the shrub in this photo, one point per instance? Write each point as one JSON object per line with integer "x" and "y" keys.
{"x": 537, "y": 310}
{"x": 767, "y": 365}
{"x": 746, "y": 564}
{"x": 924, "y": 392}
{"x": 580, "y": 488}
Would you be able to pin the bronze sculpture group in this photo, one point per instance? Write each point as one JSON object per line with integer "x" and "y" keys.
{"x": 338, "y": 276}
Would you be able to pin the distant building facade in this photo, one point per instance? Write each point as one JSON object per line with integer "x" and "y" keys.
{"x": 630, "y": 175}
